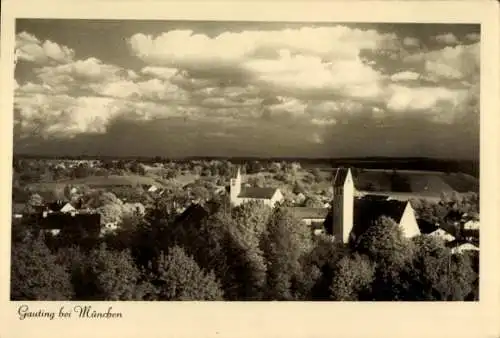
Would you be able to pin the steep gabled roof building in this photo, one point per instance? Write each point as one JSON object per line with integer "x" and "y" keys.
{"x": 239, "y": 194}
{"x": 351, "y": 216}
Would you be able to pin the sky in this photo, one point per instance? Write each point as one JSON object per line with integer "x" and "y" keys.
{"x": 187, "y": 88}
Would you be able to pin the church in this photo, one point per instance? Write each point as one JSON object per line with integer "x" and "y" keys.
{"x": 350, "y": 215}
{"x": 240, "y": 194}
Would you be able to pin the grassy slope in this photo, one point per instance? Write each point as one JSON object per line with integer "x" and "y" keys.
{"x": 421, "y": 182}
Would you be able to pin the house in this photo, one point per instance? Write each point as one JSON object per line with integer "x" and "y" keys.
{"x": 471, "y": 225}
{"x": 68, "y": 207}
{"x": 313, "y": 217}
{"x": 464, "y": 247}
{"x": 195, "y": 214}
{"x": 241, "y": 194}
{"x": 350, "y": 215}
{"x": 443, "y": 234}
{"x": 310, "y": 215}
{"x": 77, "y": 228}
{"x": 61, "y": 206}
{"x": 152, "y": 188}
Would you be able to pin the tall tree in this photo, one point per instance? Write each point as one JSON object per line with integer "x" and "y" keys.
{"x": 437, "y": 274}
{"x": 312, "y": 201}
{"x": 284, "y": 243}
{"x": 352, "y": 278}
{"x": 35, "y": 273}
{"x": 247, "y": 266}
{"x": 178, "y": 277}
{"x": 106, "y": 275}
{"x": 384, "y": 244}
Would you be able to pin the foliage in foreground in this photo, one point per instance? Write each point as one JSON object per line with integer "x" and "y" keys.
{"x": 245, "y": 253}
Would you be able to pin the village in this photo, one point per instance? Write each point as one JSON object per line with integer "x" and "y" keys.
{"x": 340, "y": 212}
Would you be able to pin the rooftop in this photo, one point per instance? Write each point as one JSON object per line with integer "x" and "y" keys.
{"x": 258, "y": 193}
{"x": 309, "y": 213}
{"x": 368, "y": 211}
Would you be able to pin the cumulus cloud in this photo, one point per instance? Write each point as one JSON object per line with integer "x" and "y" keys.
{"x": 291, "y": 85}
{"x": 160, "y": 72}
{"x": 302, "y": 73}
{"x": 328, "y": 109}
{"x": 29, "y": 48}
{"x": 287, "y": 105}
{"x": 411, "y": 42}
{"x": 88, "y": 70}
{"x": 184, "y": 47}
{"x": 323, "y": 60}
{"x": 427, "y": 100}
{"x": 62, "y": 114}
{"x": 405, "y": 76}
{"x": 438, "y": 70}
{"x": 239, "y": 94}
{"x": 473, "y": 37}
{"x": 324, "y": 121}
{"x": 106, "y": 80}
{"x": 447, "y": 39}
{"x": 458, "y": 62}
{"x": 153, "y": 89}
{"x": 30, "y": 87}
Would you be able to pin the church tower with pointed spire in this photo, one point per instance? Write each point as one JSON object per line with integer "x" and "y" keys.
{"x": 343, "y": 205}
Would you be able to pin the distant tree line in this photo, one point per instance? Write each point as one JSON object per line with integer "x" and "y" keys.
{"x": 468, "y": 166}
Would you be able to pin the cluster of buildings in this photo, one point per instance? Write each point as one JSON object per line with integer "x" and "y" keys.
{"x": 352, "y": 212}
{"x": 64, "y": 220}
{"x": 343, "y": 219}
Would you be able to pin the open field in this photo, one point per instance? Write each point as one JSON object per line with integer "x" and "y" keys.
{"x": 462, "y": 182}
{"x": 185, "y": 179}
{"x": 414, "y": 182}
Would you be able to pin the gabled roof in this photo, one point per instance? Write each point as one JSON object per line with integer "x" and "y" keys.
{"x": 195, "y": 212}
{"x": 368, "y": 211}
{"x": 87, "y": 222}
{"x": 425, "y": 226}
{"x": 464, "y": 247}
{"x": 441, "y": 233}
{"x": 57, "y": 205}
{"x": 68, "y": 206}
{"x": 309, "y": 213}
{"x": 339, "y": 176}
{"x": 259, "y": 193}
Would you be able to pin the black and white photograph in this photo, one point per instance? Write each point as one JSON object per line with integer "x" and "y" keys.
{"x": 245, "y": 161}
{"x": 228, "y": 170}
